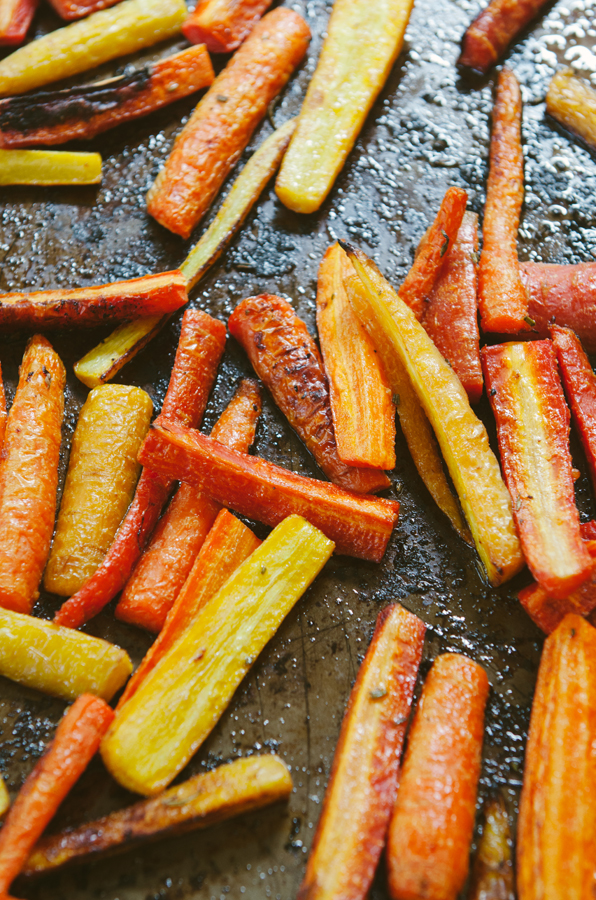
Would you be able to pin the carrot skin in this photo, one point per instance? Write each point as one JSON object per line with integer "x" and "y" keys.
{"x": 364, "y": 775}
{"x": 493, "y": 29}
{"x": 222, "y": 25}
{"x": 451, "y": 317}
{"x": 562, "y": 295}
{"x": 547, "y": 612}
{"x": 69, "y": 10}
{"x": 588, "y": 530}
{"x": 359, "y": 526}
{"x": 502, "y": 299}
{"x": 288, "y": 362}
{"x": 3, "y": 414}
{"x": 29, "y": 475}
{"x": 76, "y": 741}
{"x": 200, "y": 347}
{"x": 433, "y": 820}
{"x": 166, "y": 563}
{"x": 15, "y": 19}
{"x": 213, "y": 139}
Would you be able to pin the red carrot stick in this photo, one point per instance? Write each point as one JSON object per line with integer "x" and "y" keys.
{"x": 493, "y": 29}
{"x": 223, "y": 24}
{"x": 29, "y": 475}
{"x": 15, "y": 19}
{"x": 451, "y": 317}
{"x": 287, "y": 360}
{"x": 359, "y": 526}
{"x": 433, "y": 820}
{"x": 565, "y": 295}
{"x": 222, "y": 124}
{"x": 502, "y": 299}
{"x": 76, "y": 741}
{"x": 201, "y": 344}
{"x": 588, "y": 530}
{"x": 171, "y": 553}
{"x": 3, "y": 415}
{"x": 547, "y": 612}
{"x": 76, "y": 9}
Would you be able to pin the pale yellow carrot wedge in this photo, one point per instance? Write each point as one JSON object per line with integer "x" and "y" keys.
{"x": 125, "y": 28}
{"x": 572, "y": 102}
{"x": 461, "y": 435}
{"x": 4, "y": 798}
{"x": 59, "y": 661}
{"x": 363, "y": 41}
{"x": 49, "y": 167}
{"x": 103, "y": 362}
{"x": 165, "y": 722}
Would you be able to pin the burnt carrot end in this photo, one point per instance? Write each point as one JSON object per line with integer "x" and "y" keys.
{"x": 54, "y": 117}
{"x": 562, "y": 295}
{"x": 557, "y": 817}
{"x": 451, "y": 317}
{"x": 492, "y": 874}
{"x": 221, "y": 126}
{"x": 533, "y": 430}
{"x": 493, "y": 29}
{"x": 288, "y": 362}
{"x": 363, "y": 782}
{"x": 222, "y": 25}
{"x": 361, "y": 403}
{"x": 502, "y": 298}
{"x": 15, "y": 18}
{"x": 547, "y": 612}
{"x": 433, "y": 819}
{"x": 359, "y": 526}
{"x": 147, "y": 296}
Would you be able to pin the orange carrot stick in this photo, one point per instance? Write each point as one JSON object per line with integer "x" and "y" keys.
{"x": 223, "y": 24}
{"x": 227, "y": 545}
{"x": 75, "y": 743}
{"x": 548, "y": 612}
{"x": 201, "y": 344}
{"x": 222, "y": 124}
{"x": 287, "y": 360}
{"x": 29, "y": 475}
{"x": 493, "y": 29}
{"x": 2, "y": 411}
{"x": 77, "y": 9}
{"x": 15, "y": 19}
{"x": 170, "y": 555}
{"x": 502, "y": 298}
{"x": 433, "y": 821}
{"x": 359, "y": 526}
{"x": 363, "y": 781}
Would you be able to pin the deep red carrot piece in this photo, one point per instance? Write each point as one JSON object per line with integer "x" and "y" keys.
{"x": 533, "y": 430}
{"x": 562, "y": 295}
{"x": 221, "y": 126}
{"x": 29, "y": 475}
{"x": 359, "y": 526}
{"x": 287, "y": 360}
{"x": 433, "y": 820}
{"x": 502, "y": 298}
{"x": 547, "y": 612}
{"x": 200, "y": 347}
{"x": 493, "y": 29}
{"x": 171, "y": 553}
{"x": 451, "y": 317}
{"x": 363, "y": 782}
{"x": 588, "y": 530}
{"x": 76, "y": 741}
{"x": 3, "y": 415}
{"x": 223, "y": 24}
{"x": 15, "y": 19}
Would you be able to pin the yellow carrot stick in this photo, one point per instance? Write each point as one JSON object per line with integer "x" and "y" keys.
{"x": 105, "y": 360}
{"x": 4, "y": 798}
{"x": 49, "y": 167}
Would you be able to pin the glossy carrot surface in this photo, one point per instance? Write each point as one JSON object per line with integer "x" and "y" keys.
{"x": 493, "y": 29}
{"x": 548, "y": 612}
{"x": 562, "y": 295}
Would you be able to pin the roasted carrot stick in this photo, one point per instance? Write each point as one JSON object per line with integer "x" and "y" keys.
{"x": 363, "y": 782}
{"x": 433, "y": 820}
{"x": 53, "y": 117}
{"x": 572, "y": 102}
{"x": 502, "y": 299}
{"x": 146, "y": 296}
{"x": 201, "y": 344}
{"x": 359, "y": 526}
{"x": 287, "y": 360}
{"x": 77, "y": 9}
{"x": 493, "y": 29}
{"x": 222, "y": 124}
{"x": 15, "y": 19}
{"x": 171, "y": 553}
{"x": 3, "y": 415}
{"x": 565, "y": 295}
{"x": 533, "y": 430}
{"x": 227, "y": 545}
{"x": 557, "y": 817}
{"x": 65, "y": 759}
{"x": 29, "y": 475}
{"x": 451, "y": 317}
{"x": 547, "y": 612}
{"x": 492, "y": 874}
{"x": 222, "y": 25}
{"x": 440, "y": 237}
{"x": 360, "y": 395}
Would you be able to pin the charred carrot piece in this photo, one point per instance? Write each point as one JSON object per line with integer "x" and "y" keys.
{"x": 365, "y": 769}
{"x": 222, "y": 124}
{"x": 169, "y": 558}
{"x": 502, "y": 299}
{"x": 288, "y": 362}
{"x": 492, "y": 874}
{"x": 29, "y": 475}
{"x": 360, "y": 395}
{"x": 451, "y": 317}
{"x": 200, "y": 347}
{"x": 15, "y": 19}
{"x": 222, "y": 25}
{"x": 359, "y": 526}
{"x": 442, "y": 234}
{"x": 54, "y": 117}
{"x": 533, "y": 430}
{"x": 493, "y": 29}
{"x": 146, "y": 296}
{"x": 565, "y": 295}
{"x": 3, "y": 414}
{"x": 75, "y": 743}
{"x": 557, "y": 818}
{"x": 548, "y": 612}
{"x": 433, "y": 820}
